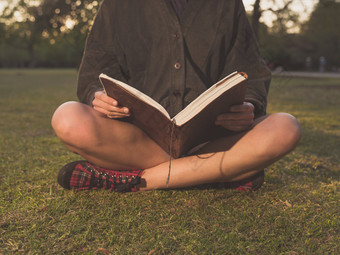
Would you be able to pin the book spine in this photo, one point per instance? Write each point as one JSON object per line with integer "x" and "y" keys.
{"x": 172, "y": 129}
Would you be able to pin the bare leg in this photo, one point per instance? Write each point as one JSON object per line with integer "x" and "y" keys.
{"x": 118, "y": 145}
{"x": 105, "y": 142}
{"x": 245, "y": 154}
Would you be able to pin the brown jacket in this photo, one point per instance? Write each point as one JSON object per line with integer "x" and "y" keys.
{"x": 145, "y": 44}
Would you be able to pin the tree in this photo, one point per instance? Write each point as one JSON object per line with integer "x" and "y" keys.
{"x": 322, "y": 34}
{"x": 280, "y": 44}
{"x": 25, "y": 31}
{"x": 32, "y": 24}
{"x": 284, "y": 16}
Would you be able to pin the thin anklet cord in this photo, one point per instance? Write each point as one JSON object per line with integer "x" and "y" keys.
{"x": 171, "y": 140}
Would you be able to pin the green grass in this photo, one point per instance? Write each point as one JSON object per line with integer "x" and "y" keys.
{"x": 295, "y": 212}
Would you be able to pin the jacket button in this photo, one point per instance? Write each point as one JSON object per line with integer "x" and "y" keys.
{"x": 175, "y": 36}
{"x": 177, "y": 66}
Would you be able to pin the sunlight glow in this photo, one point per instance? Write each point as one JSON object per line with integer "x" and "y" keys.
{"x": 302, "y": 7}
{"x": 69, "y": 23}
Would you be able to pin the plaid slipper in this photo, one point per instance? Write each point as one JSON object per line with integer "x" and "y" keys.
{"x": 82, "y": 175}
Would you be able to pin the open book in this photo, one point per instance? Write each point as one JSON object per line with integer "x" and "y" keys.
{"x": 194, "y": 125}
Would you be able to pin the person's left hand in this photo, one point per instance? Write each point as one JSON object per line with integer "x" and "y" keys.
{"x": 239, "y": 117}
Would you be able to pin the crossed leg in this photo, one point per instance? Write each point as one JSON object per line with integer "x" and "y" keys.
{"x": 115, "y": 144}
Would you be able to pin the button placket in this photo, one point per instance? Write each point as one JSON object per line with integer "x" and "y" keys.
{"x": 178, "y": 71}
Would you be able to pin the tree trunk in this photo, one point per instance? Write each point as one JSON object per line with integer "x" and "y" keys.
{"x": 31, "y": 52}
{"x": 255, "y": 19}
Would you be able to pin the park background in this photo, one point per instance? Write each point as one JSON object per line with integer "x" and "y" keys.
{"x": 292, "y": 34}
{"x": 295, "y": 212}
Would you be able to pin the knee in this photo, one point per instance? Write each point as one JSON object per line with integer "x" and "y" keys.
{"x": 286, "y": 132}
{"x": 79, "y": 127}
{"x": 65, "y": 121}
{"x": 289, "y": 129}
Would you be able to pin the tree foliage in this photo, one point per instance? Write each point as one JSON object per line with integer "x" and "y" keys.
{"x": 46, "y": 32}
{"x": 321, "y": 33}
{"x": 52, "y": 33}
{"x": 282, "y": 14}
{"x": 318, "y": 37}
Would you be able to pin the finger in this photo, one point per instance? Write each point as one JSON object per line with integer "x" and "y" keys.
{"x": 109, "y": 107}
{"x": 238, "y": 123}
{"x": 119, "y": 111}
{"x": 238, "y": 128}
{"x": 117, "y": 116}
{"x": 245, "y": 107}
{"x": 111, "y": 114}
{"x": 101, "y": 96}
{"x": 235, "y": 116}
{"x": 101, "y": 110}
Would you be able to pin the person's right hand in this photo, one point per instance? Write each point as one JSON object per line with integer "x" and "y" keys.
{"x": 109, "y": 106}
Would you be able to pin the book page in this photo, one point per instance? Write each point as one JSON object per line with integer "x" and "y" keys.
{"x": 138, "y": 94}
{"x": 207, "y": 97}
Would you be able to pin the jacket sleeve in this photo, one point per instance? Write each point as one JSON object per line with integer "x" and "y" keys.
{"x": 244, "y": 56}
{"x": 99, "y": 55}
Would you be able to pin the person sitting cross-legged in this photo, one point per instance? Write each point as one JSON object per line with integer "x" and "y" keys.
{"x": 172, "y": 51}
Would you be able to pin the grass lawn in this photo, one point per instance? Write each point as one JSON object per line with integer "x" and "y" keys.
{"x": 295, "y": 212}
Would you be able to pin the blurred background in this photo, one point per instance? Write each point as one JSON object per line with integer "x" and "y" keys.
{"x": 301, "y": 35}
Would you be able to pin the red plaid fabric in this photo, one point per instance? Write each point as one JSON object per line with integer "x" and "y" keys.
{"x": 87, "y": 176}
{"x": 250, "y": 184}
{"x": 245, "y": 187}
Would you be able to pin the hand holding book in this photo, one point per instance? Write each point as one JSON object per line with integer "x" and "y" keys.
{"x": 239, "y": 118}
{"x": 109, "y": 106}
